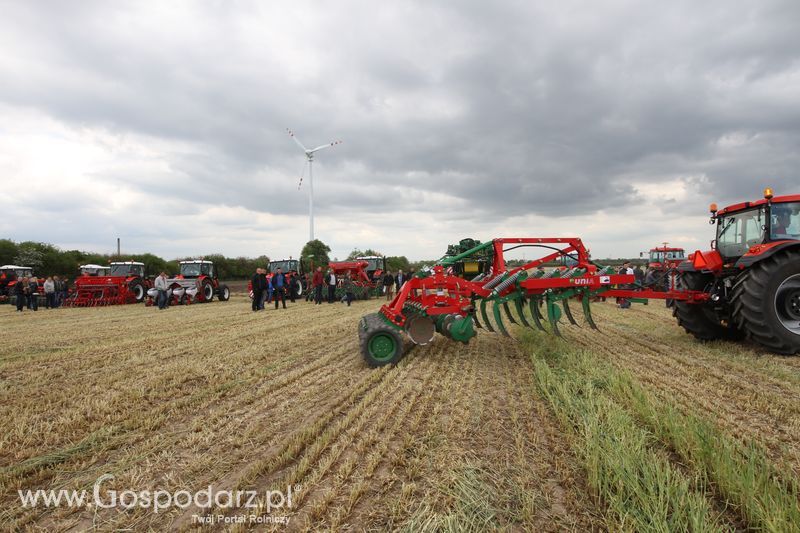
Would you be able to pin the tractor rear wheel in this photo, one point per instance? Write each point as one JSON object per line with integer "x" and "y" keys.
{"x": 207, "y": 290}
{"x": 137, "y": 288}
{"x": 223, "y": 293}
{"x": 381, "y": 344}
{"x": 767, "y": 302}
{"x": 699, "y": 319}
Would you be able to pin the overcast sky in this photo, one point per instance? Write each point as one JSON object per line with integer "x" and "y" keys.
{"x": 164, "y": 123}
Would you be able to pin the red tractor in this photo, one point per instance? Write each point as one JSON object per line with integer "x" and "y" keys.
{"x": 751, "y": 274}
{"x": 197, "y": 282}
{"x": 9, "y": 276}
{"x": 125, "y": 283}
{"x": 665, "y": 258}
{"x": 295, "y": 275}
{"x": 94, "y": 270}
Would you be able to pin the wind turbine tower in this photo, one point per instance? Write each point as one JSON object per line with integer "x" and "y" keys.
{"x": 310, "y": 161}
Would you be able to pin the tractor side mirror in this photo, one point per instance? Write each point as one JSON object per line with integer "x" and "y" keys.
{"x": 641, "y": 254}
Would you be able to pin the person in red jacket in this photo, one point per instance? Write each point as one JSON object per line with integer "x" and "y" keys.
{"x": 318, "y": 281}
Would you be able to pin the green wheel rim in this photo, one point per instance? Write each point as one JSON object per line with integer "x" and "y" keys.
{"x": 382, "y": 346}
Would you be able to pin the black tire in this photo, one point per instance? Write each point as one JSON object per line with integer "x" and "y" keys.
{"x": 207, "y": 290}
{"x": 699, "y": 320}
{"x": 381, "y": 344}
{"x": 137, "y": 288}
{"x": 767, "y": 302}
{"x": 223, "y": 293}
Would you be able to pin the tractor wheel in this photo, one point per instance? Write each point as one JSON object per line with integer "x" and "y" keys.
{"x": 297, "y": 287}
{"x": 137, "y": 288}
{"x": 381, "y": 344}
{"x": 767, "y": 302}
{"x": 223, "y": 293}
{"x": 699, "y": 319}
{"x": 207, "y": 290}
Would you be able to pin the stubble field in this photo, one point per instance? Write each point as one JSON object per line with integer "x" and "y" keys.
{"x": 635, "y": 427}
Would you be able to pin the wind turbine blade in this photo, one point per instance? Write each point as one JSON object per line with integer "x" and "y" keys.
{"x": 302, "y": 172}
{"x": 334, "y": 143}
{"x": 291, "y": 134}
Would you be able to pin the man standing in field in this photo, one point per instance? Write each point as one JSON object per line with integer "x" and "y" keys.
{"x": 161, "y": 287}
{"x": 279, "y": 287}
{"x": 331, "y": 280}
{"x": 318, "y": 281}
{"x": 257, "y": 285}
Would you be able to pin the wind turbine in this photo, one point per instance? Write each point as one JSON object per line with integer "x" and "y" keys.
{"x": 310, "y": 161}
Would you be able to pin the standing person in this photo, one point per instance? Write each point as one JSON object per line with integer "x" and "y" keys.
{"x": 161, "y": 286}
{"x": 33, "y": 293}
{"x": 58, "y": 290}
{"x": 279, "y": 287}
{"x": 348, "y": 289}
{"x": 64, "y": 290}
{"x": 308, "y": 286}
{"x": 318, "y": 281}
{"x": 49, "y": 293}
{"x": 269, "y": 290}
{"x": 388, "y": 282}
{"x": 264, "y": 288}
{"x": 331, "y": 280}
{"x": 257, "y": 286}
{"x": 639, "y": 274}
{"x": 399, "y": 279}
{"x": 20, "y": 289}
{"x": 290, "y": 279}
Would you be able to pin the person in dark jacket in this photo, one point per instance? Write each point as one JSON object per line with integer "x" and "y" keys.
{"x": 279, "y": 288}
{"x": 318, "y": 281}
{"x": 388, "y": 283}
{"x": 257, "y": 282}
{"x": 33, "y": 293}
{"x": 20, "y": 288}
{"x": 639, "y": 274}
{"x": 349, "y": 295}
{"x": 290, "y": 282}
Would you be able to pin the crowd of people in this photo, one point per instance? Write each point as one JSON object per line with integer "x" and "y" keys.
{"x": 27, "y": 290}
{"x": 321, "y": 287}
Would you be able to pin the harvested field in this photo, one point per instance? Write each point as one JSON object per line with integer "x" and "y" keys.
{"x": 596, "y": 432}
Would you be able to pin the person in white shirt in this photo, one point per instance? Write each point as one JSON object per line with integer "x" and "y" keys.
{"x": 330, "y": 279}
{"x": 161, "y": 287}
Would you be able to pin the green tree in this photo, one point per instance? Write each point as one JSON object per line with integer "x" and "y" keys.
{"x": 8, "y": 251}
{"x": 30, "y": 254}
{"x": 315, "y": 253}
{"x": 395, "y": 263}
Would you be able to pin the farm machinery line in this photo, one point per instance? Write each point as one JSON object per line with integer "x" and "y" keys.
{"x": 747, "y": 285}
{"x": 124, "y": 283}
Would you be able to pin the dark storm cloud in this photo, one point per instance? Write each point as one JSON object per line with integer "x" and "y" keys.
{"x": 506, "y": 108}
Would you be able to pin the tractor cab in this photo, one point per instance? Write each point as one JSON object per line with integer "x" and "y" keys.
{"x": 376, "y": 265}
{"x": 12, "y": 272}
{"x": 750, "y": 228}
{"x": 94, "y": 270}
{"x": 665, "y": 257}
{"x": 127, "y": 269}
{"x": 286, "y": 266}
{"x": 196, "y": 269}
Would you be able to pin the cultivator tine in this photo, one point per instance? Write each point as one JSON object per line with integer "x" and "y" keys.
{"x": 520, "y": 312}
{"x": 508, "y": 313}
{"x": 535, "y": 313}
{"x": 587, "y": 311}
{"x": 485, "y": 317}
{"x": 568, "y": 312}
{"x": 498, "y": 319}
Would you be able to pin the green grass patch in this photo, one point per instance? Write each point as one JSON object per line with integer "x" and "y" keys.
{"x": 620, "y": 427}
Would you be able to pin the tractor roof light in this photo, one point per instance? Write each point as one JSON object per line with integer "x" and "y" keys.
{"x": 768, "y": 193}
{"x": 712, "y": 208}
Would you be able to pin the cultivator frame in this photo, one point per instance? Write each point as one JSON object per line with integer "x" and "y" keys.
{"x": 97, "y": 295}
{"x": 439, "y": 301}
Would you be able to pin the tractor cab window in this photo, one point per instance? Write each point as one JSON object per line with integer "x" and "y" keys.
{"x": 373, "y": 263}
{"x": 785, "y": 221}
{"x": 207, "y": 269}
{"x": 675, "y": 254}
{"x": 737, "y": 232}
{"x": 285, "y": 266}
{"x": 190, "y": 270}
{"x": 656, "y": 257}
